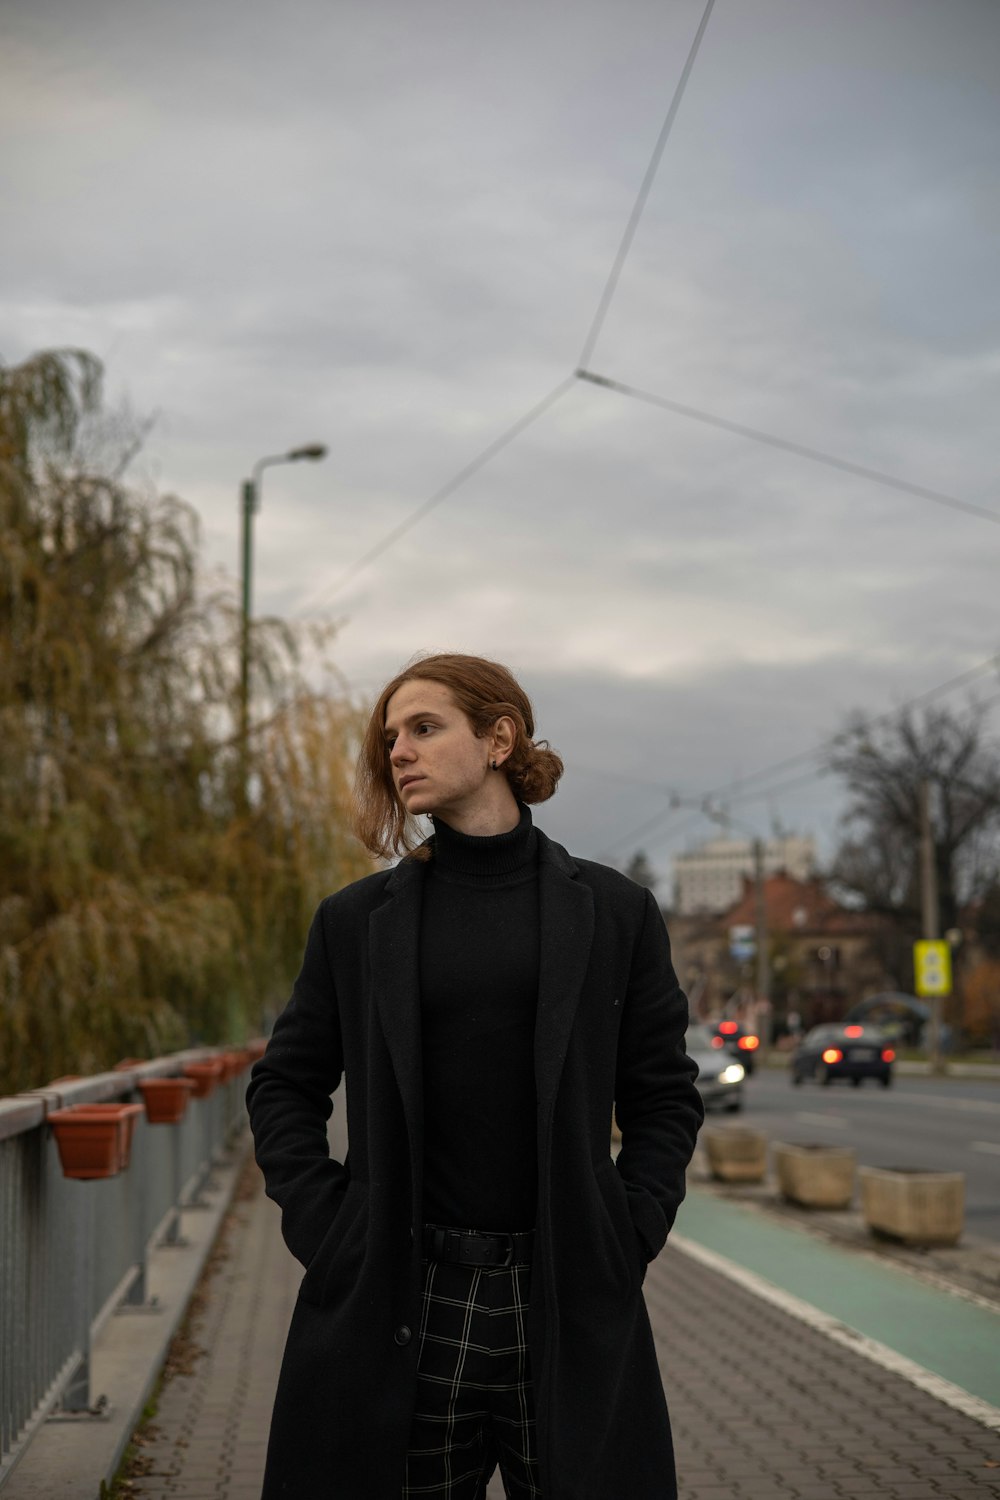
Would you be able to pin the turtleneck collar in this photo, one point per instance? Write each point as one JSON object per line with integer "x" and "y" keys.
{"x": 494, "y": 857}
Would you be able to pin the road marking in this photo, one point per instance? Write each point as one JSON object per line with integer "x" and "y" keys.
{"x": 837, "y": 1121}
{"x": 842, "y": 1333}
{"x": 989, "y": 1146}
{"x": 970, "y": 1106}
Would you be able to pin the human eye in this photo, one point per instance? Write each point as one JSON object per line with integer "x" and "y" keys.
{"x": 426, "y": 726}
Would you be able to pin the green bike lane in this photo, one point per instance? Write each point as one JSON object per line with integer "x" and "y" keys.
{"x": 952, "y": 1336}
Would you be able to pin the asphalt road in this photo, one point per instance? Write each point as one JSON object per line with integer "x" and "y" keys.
{"x": 938, "y": 1124}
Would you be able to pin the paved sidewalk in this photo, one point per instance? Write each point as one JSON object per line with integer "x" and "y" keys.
{"x": 209, "y": 1434}
{"x": 766, "y": 1408}
{"x": 763, "y": 1407}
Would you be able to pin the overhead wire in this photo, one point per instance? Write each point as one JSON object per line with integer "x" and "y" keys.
{"x": 785, "y": 445}
{"x": 515, "y": 430}
{"x": 583, "y": 373}
{"x": 455, "y": 482}
{"x": 730, "y": 790}
{"x": 622, "y": 388}
{"x": 939, "y": 690}
{"x": 641, "y": 828}
{"x": 643, "y": 194}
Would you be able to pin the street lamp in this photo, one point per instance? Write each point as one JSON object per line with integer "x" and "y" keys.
{"x": 250, "y": 504}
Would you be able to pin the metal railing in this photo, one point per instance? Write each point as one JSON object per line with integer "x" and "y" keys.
{"x": 73, "y": 1251}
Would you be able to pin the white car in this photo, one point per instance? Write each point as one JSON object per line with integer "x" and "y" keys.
{"x": 720, "y": 1076}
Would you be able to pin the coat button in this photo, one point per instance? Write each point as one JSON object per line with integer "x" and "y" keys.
{"x": 402, "y": 1335}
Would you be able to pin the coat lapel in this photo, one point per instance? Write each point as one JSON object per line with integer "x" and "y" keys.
{"x": 393, "y": 937}
{"x": 566, "y": 910}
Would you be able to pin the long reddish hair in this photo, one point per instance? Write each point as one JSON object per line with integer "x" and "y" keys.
{"x": 485, "y": 691}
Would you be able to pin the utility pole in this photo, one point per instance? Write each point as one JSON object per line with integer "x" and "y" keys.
{"x": 930, "y": 915}
{"x": 762, "y": 983}
{"x": 249, "y": 506}
{"x": 762, "y": 975}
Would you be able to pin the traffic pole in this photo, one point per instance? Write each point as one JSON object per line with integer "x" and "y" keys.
{"x": 930, "y": 915}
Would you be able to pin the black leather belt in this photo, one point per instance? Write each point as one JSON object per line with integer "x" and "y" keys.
{"x": 470, "y": 1247}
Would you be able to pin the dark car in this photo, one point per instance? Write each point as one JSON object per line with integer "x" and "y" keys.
{"x": 853, "y": 1051}
{"x": 720, "y": 1076}
{"x": 737, "y": 1041}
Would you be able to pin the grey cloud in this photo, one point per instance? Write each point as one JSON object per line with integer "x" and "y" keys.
{"x": 387, "y": 227}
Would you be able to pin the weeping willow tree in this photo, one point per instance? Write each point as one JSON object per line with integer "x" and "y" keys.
{"x": 145, "y": 902}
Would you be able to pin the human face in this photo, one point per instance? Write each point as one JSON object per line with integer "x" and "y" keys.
{"x": 438, "y": 763}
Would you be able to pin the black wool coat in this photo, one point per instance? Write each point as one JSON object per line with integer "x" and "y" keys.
{"x": 609, "y": 1030}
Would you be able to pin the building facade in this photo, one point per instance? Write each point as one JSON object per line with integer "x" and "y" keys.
{"x": 709, "y": 879}
{"x": 822, "y": 957}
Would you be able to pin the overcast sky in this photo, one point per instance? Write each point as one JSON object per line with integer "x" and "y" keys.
{"x": 387, "y": 226}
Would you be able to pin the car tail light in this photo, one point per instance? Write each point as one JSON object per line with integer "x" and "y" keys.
{"x": 832, "y": 1055}
{"x": 717, "y": 1041}
{"x": 728, "y": 1027}
{"x": 888, "y": 1055}
{"x": 748, "y": 1043}
{"x": 853, "y": 1030}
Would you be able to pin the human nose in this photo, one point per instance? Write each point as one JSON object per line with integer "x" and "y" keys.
{"x": 401, "y": 751}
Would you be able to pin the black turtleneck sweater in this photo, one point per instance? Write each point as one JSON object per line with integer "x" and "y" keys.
{"x": 479, "y": 937}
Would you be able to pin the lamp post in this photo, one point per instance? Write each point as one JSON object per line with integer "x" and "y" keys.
{"x": 250, "y": 504}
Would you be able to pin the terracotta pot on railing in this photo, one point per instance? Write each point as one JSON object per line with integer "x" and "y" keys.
{"x": 233, "y": 1064}
{"x": 94, "y": 1140}
{"x": 127, "y": 1116}
{"x": 166, "y": 1099}
{"x": 256, "y": 1047}
{"x": 205, "y": 1076}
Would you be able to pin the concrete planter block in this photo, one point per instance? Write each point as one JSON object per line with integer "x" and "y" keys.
{"x": 735, "y": 1154}
{"x": 815, "y": 1176}
{"x": 920, "y": 1208}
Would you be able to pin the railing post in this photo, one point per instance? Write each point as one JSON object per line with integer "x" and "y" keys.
{"x": 76, "y": 1394}
{"x": 137, "y": 1292}
{"x": 173, "y": 1235}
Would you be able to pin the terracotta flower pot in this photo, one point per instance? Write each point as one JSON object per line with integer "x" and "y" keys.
{"x": 735, "y": 1154}
{"x": 93, "y": 1140}
{"x": 815, "y": 1176}
{"x": 920, "y": 1208}
{"x": 126, "y": 1115}
{"x": 166, "y": 1099}
{"x": 233, "y": 1064}
{"x": 256, "y": 1047}
{"x": 205, "y": 1076}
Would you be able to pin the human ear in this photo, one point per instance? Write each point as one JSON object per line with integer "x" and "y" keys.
{"x": 502, "y": 738}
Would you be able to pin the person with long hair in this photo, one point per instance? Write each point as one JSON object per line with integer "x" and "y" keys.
{"x": 472, "y": 1293}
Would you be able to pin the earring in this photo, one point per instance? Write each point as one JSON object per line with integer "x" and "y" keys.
{"x": 494, "y": 763}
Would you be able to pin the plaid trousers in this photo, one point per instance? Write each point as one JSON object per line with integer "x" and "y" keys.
{"x": 475, "y": 1403}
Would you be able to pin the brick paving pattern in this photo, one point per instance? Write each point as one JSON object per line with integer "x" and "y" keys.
{"x": 209, "y": 1435}
{"x": 766, "y": 1408}
{"x": 763, "y": 1408}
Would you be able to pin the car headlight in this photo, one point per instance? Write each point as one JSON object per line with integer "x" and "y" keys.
{"x": 733, "y": 1074}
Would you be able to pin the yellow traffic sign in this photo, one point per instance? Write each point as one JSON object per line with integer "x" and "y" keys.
{"x": 932, "y": 968}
